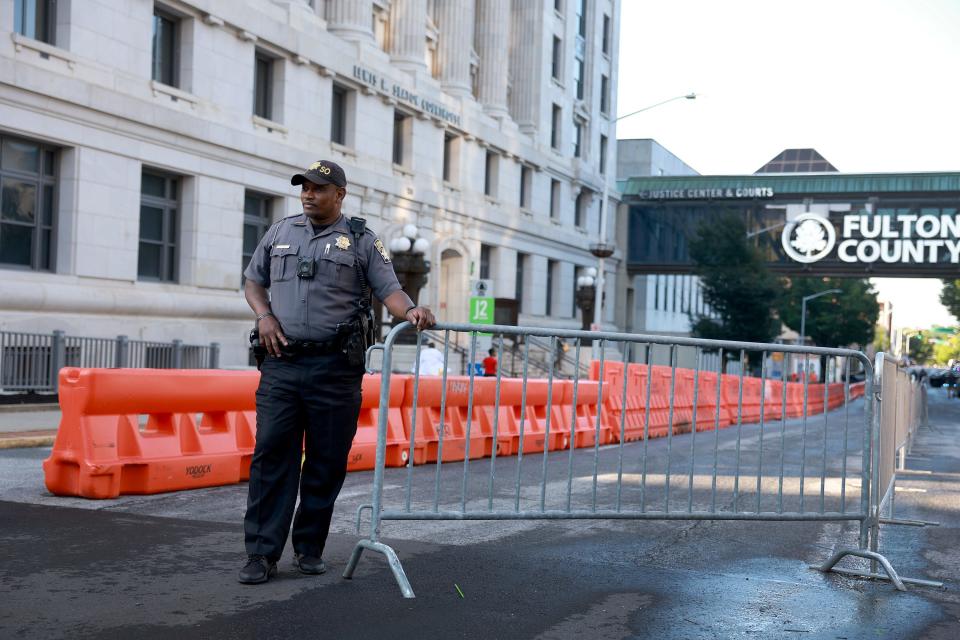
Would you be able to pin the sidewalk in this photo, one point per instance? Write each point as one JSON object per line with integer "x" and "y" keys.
{"x": 28, "y": 425}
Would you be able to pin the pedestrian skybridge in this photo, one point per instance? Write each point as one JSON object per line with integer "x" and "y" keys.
{"x": 885, "y": 225}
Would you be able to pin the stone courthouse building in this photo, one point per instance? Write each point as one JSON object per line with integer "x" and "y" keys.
{"x": 146, "y": 146}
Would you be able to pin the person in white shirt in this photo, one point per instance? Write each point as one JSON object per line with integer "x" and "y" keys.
{"x": 431, "y": 361}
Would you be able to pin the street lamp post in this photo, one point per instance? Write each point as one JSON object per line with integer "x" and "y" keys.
{"x": 408, "y": 253}
{"x": 803, "y": 325}
{"x": 586, "y": 290}
{"x": 602, "y": 249}
{"x": 803, "y": 311}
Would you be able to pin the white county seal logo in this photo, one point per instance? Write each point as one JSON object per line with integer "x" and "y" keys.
{"x": 808, "y": 238}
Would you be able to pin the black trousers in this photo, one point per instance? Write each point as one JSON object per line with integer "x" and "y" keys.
{"x": 318, "y": 397}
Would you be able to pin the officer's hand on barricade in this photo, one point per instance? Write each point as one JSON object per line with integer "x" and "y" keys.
{"x": 271, "y": 336}
{"x": 421, "y": 317}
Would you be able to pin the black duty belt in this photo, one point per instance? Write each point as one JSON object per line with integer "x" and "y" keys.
{"x": 308, "y": 348}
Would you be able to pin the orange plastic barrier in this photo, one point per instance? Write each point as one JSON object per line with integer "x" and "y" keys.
{"x": 708, "y": 411}
{"x": 454, "y": 417}
{"x": 534, "y": 418}
{"x": 363, "y": 453}
{"x": 587, "y": 429}
{"x": 199, "y": 431}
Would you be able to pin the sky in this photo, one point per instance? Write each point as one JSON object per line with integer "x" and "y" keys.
{"x": 873, "y": 85}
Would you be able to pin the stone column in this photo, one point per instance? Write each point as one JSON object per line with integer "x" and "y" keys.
{"x": 408, "y": 33}
{"x": 351, "y": 19}
{"x": 455, "y": 24}
{"x": 493, "y": 44}
{"x": 525, "y": 63}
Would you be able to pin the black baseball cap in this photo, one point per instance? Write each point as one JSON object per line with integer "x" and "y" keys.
{"x": 322, "y": 172}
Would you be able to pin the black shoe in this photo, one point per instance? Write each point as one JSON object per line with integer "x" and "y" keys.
{"x": 311, "y": 565}
{"x": 257, "y": 571}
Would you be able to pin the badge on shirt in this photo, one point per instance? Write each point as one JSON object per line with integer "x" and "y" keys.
{"x": 343, "y": 243}
{"x": 378, "y": 245}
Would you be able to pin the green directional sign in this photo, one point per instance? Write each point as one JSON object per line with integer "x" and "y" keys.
{"x": 481, "y": 310}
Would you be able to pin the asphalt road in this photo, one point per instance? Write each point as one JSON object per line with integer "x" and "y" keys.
{"x": 156, "y": 566}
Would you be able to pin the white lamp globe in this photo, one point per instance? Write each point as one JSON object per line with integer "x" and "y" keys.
{"x": 420, "y": 245}
{"x": 399, "y": 245}
{"x": 410, "y": 231}
{"x": 591, "y": 272}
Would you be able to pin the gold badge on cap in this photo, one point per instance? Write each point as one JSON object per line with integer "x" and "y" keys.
{"x": 343, "y": 243}
{"x": 378, "y": 245}
{"x": 319, "y": 167}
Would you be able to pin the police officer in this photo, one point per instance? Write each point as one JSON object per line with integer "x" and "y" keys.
{"x": 308, "y": 263}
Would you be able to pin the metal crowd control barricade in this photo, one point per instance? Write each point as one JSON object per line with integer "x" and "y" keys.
{"x": 666, "y": 462}
{"x": 902, "y": 402}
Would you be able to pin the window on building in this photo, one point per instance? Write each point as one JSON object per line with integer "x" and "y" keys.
{"x": 555, "y": 127}
{"x": 582, "y": 18}
{"x": 656, "y": 293}
{"x": 381, "y": 24}
{"x": 551, "y": 270}
{"x": 581, "y": 208}
{"x": 606, "y": 34}
{"x": 339, "y": 114}
{"x": 604, "y": 94}
{"x": 159, "y": 213}
{"x": 554, "y": 199}
{"x": 526, "y": 186}
{"x": 36, "y": 19}
{"x": 449, "y": 157}
{"x": 490, "y": 170}
{"x": 257, "y": 217}
{"x": 683, "y": 293}
{"x": 27, "y": 201}
{"x": 263, "y": 85}
{"x": 521, "y": 267}
{"x": 603, "y": 154}
{"x": 165, "y": 48}
{"x": 577, "y": 137}
{"x": 485, "y": 251}
{"x": 558, "y": 6}
{"x": 402, "y": 129}
{"x": 578, "y": 70}
{"x": 557, "y": 69}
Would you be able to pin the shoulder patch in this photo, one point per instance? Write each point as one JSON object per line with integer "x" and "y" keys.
{"x": 378, "y": 245}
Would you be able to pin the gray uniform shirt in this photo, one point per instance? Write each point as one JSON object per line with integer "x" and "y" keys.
{"x": 310, "y": 309}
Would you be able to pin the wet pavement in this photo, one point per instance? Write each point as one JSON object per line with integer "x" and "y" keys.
{"x": 165, "y": 565}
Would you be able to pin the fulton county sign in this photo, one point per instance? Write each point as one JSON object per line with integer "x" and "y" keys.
{"x": 903, "y": 239}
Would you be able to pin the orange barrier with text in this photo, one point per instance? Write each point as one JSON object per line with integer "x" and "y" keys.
{"x": 127, "y": 431}
{"x": 363, "y": 452}
{"x": 451, "y": 414}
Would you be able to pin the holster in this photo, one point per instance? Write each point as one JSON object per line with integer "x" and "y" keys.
{"x": 259, "y": 351}
{"x": 357, "y": 336}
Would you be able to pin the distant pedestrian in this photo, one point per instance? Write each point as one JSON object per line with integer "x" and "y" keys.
{"x": 490, "y": 363}
{"x": 431, "y": 361}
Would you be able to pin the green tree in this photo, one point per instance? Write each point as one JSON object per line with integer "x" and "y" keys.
{"x": 946, "y": 350}
{"x": 920, "y": 347}
{"x": 737, "y": 286}
{"x": 950, "y": 297}
{"x": 836, "y": 320}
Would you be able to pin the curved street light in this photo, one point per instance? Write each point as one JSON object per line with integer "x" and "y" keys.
{"x": 601, "y": 249}
{"x": 803, "y": 311}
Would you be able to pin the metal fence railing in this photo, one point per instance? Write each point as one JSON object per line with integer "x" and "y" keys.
{"x": 30, "y": 362}
{"x": 688, "y": 444}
